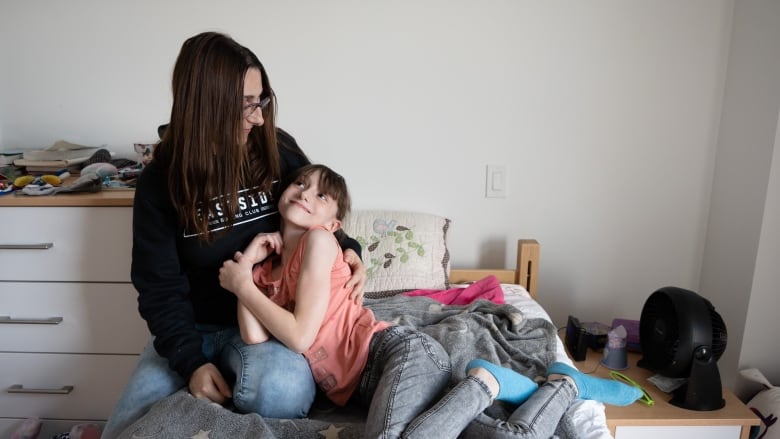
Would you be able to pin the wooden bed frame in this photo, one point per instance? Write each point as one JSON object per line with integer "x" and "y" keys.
{"x": 526, "y": 272}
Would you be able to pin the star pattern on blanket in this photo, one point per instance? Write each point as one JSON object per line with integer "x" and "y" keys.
{"x": 202, "y": 434}
{"x": 332, "y": 432}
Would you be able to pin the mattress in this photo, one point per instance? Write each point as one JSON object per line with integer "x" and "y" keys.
{"x": 588, "y": 416}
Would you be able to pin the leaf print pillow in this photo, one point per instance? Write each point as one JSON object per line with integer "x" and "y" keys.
{"x": 402, "y": 251}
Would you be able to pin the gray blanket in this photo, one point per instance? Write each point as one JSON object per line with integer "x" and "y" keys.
{"x": 498, "y": 333}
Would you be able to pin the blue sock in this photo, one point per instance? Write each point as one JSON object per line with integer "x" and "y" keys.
{"x": 514, "y": 387}
{"x": 598, "y": 389}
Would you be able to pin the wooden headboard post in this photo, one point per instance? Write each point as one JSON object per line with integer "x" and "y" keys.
{"x": 528, "y": 265}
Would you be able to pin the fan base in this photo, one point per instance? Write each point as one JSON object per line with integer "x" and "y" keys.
{"x": 703, "y": 391}
{"x": 702, "y": 405}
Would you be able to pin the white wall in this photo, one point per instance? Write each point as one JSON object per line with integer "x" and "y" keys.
{"x": 761, "y": 20}
{"x": 738, "y": 219}
{"x": 605, "y": 112}
{"x": 759, "y": 347}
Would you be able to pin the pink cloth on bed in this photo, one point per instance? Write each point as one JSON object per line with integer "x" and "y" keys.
{"x": 488, "y": 288}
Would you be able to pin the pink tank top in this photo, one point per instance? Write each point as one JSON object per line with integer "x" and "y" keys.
{"x": 340, "y": 350}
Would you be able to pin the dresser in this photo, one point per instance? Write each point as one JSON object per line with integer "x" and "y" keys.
{"x": 70, "y": 333}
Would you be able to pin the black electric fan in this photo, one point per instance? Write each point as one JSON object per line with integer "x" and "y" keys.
{"x": 682, "y": 336}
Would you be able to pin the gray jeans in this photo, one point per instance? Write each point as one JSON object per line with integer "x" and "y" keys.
{"x": 459, "y": 411}
{"x": 406, "y": 374}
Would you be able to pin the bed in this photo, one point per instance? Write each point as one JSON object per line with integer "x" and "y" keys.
{"x": 411, "y": 282}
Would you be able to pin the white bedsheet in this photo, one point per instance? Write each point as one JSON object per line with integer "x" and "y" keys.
{"x": 588, "y": 416}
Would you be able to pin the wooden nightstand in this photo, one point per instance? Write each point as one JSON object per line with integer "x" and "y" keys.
{"x": 664, "y": 420}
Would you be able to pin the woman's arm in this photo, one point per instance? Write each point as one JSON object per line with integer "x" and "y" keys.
{"x": 298, "y": 329}
{"x": 358, "y": 280}
{"x": 157, "y": 275}
{"x": 164, "y": 290}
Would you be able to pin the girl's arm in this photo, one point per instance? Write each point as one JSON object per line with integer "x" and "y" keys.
{"x": 252, "y": 331}
{"x": 298, "y": 329}
{"x": 261, "y": 247}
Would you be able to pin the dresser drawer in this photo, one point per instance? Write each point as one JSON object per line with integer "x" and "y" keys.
{"x": 66, "y": 244}
{"x": 49, "y": 427}
{"x": 71, "y": 317}
{"x": 679, "y": 432}
{"x": 62, "y": 386}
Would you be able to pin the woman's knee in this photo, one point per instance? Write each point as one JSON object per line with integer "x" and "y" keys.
{"x": 151, "y": 381}
{"x": 288, "y": 397}
{"x": 271, "y": 380}
{"x": 152, "y": 378}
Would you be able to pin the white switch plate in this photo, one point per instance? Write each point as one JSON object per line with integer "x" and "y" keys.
{"x": 495, "y": 181}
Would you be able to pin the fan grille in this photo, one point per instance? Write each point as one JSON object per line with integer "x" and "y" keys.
{"x": 659, "y": 333}
{"x": 674, "y": 323}
{"x": 719, "y": 334}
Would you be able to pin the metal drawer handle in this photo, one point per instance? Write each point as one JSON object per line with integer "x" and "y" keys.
{"x": 49, "y": 321}
{"x": 18, "y": 388}
{"x": 40, "y": 246}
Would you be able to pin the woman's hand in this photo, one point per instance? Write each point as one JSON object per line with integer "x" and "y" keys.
{"x": 358, "y": 280}
{"x": 207, "y": 383}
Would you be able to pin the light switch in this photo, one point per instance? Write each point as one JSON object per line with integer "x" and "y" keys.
{"x": 495, "y": 183}
{"x": 498, "y": 181}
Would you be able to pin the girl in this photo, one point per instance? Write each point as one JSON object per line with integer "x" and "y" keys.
{"x": 299, "y": 298}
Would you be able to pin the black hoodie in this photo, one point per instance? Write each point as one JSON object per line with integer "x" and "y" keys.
{"x": 177, "y": 275}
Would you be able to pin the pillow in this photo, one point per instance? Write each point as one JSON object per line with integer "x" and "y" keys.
{"x": 765, "y": 404}
{"x": 402, "y": 251}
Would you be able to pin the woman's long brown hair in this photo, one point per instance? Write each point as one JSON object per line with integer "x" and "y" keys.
{"x": 201, "y": 149}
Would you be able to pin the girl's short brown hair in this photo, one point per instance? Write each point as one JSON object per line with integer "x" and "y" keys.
{"x": 330, "y": 183}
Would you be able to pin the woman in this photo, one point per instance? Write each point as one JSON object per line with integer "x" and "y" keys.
{"x": 212, "y": 187}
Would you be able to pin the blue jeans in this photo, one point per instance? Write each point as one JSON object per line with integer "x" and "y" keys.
{"x": 267, "y": 379}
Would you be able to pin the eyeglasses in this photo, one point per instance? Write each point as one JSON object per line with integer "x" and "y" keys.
{"x": 250, "y": 109}
{"x": 645, "y": 399}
